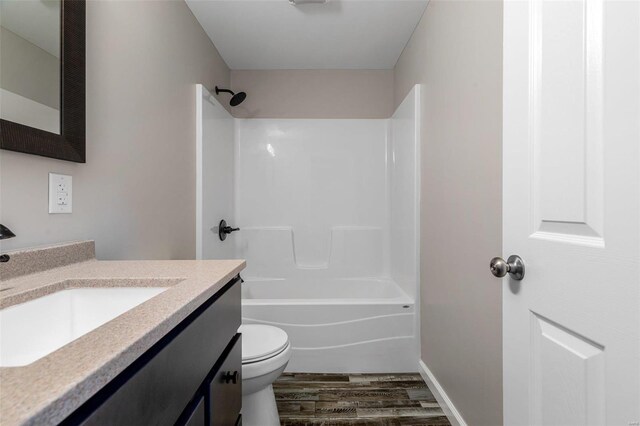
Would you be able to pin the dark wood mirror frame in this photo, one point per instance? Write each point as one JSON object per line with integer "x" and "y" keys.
{"x": 70, "y": 143}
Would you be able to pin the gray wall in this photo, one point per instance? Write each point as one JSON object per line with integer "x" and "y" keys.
{"x": 136, "y": 193}
{"x": 456, "y": 52}
{"x": 314, "y": 93}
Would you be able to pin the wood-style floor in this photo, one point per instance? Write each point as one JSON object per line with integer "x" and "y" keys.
{"x": 356, "y": 399}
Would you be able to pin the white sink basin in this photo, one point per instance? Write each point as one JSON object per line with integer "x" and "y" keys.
{"x": 34, "y": 329}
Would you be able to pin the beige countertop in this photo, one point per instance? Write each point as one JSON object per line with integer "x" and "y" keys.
{"x": 51, "y": 388}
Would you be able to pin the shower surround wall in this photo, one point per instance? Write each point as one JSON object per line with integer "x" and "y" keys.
{"x": 328, "y": 216}
{"x": 214, "y": 175}
{"x": 312, "y": 198}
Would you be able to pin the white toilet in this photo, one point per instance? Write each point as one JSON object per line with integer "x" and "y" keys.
{"x": 265, "y": 353}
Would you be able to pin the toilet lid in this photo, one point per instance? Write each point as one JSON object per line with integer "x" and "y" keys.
{"x": 261, "y": 341}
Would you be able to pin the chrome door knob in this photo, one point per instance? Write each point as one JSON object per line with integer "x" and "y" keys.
{"x": 514, "y": 266}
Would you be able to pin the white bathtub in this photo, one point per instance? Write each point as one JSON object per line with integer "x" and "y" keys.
{"x": 340, "y": 326}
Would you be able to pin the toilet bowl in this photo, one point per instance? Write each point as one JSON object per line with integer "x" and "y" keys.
{"x": 265, "y": 353}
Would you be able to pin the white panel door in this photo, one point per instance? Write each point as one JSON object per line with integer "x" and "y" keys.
{"x": 571, "y": 211}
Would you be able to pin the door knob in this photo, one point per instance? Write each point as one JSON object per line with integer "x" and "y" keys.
{"x": 514, "y": 266}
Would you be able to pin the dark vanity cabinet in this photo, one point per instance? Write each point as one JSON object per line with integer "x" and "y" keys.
{"x": 192, "y": 376}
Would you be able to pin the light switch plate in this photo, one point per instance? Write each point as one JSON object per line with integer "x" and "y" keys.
{"x": 60, "y": 193}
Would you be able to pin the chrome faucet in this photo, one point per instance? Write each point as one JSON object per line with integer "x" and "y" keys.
{"x": 4, "y": 234}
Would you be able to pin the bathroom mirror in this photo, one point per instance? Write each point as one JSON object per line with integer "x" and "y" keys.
{"x": 42, "y": 78}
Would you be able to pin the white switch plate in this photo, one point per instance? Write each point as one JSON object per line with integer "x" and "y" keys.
{"x": 60, "y": 190}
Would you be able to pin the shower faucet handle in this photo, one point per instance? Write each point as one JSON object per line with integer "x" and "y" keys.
{"x": 224, "y": 230}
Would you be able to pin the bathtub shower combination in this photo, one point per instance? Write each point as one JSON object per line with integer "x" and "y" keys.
{"x": 327, "y": 210}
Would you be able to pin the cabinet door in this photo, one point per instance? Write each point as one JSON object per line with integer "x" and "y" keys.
{"x": 197, "y": 416}
{"x": 226, "y": 388}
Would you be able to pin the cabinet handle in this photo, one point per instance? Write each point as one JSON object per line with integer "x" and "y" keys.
{"x": 230, "y": 377}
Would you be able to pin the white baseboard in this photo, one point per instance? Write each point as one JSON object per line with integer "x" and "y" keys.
{"x": 441, "y": 396}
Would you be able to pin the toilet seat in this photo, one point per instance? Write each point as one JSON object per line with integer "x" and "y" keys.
{"x": 262, "y": 342}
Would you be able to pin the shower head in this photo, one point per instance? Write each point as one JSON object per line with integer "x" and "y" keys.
{"x": 236, "y": 98}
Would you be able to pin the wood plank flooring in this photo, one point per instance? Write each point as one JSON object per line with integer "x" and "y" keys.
{"x": 306, "y": 399}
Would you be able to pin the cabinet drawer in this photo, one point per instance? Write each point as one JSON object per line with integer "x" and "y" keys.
{"x": 158, "y": 386}
{"x": 226, "y": 388}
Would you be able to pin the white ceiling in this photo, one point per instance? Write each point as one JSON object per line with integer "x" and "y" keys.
{"x": 37, "y": 21}
{"x": 340, "y": 34}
